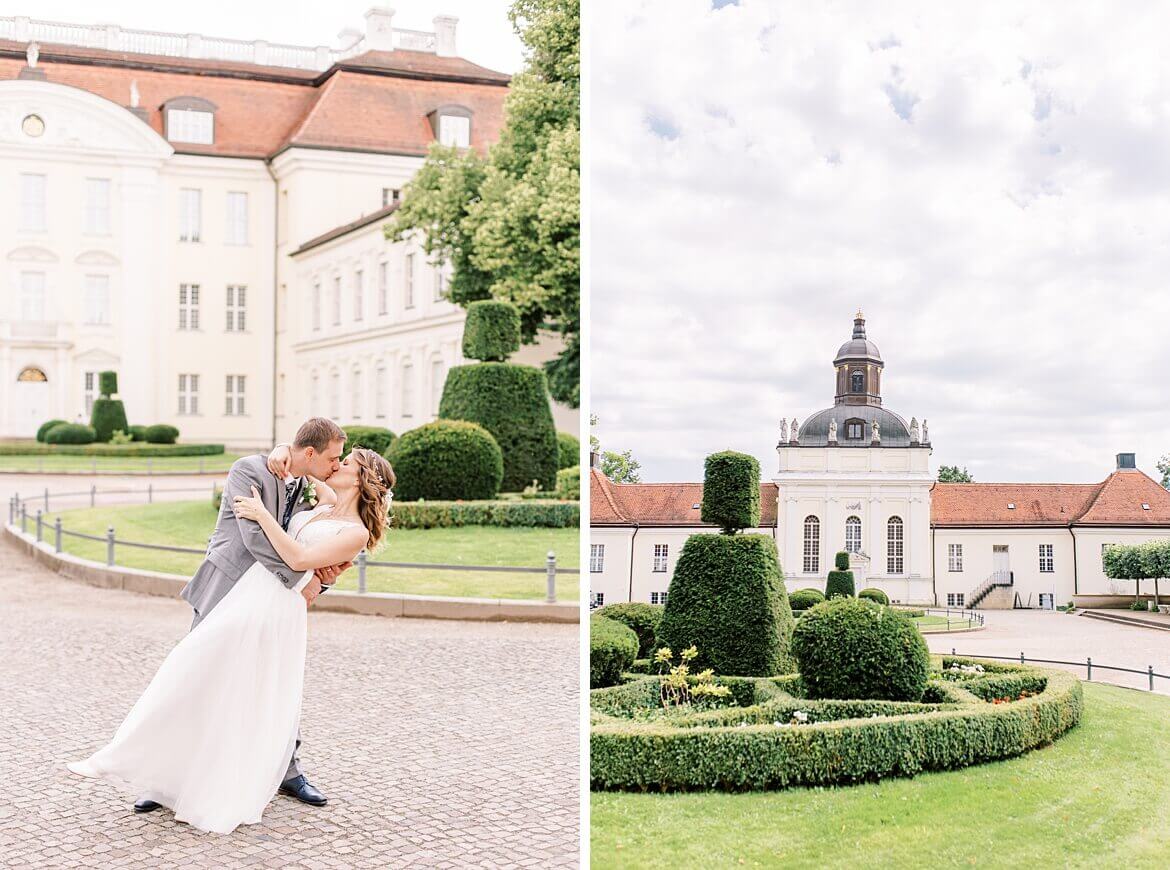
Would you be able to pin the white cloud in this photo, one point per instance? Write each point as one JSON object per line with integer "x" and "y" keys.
{"x": 987, "y": 181}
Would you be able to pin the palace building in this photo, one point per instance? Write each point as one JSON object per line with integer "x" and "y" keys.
{"x": 856, "y": 477}
{"x": 204, "y": 217}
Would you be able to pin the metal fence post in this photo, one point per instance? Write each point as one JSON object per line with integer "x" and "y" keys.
{"x": 1151, "y": 672}
{"x": 24, "y": 519}
{"x": 1021, "y": 658}
{"x": 200, "y": 464}
{"x": 46, "y": 499}
{"x": 551, "y": 574}
{"x": 150, "y": 465}
{"x": 57, "y": 535}
{"x": 110, "y": 547}
{"x": 93, "y": 465}
{"x": 1089, "y": 668}
{"x": 150, "y": 493}
{"x": 92, "y": 494}
{"x": 11, "y": 509}
{"x": 38, "y": 525}
{"x": 361, "y": 560}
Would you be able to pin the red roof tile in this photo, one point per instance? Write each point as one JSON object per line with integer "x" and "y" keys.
{"x": 659, "y": 504}
{"x": 986, "y": 504}
{"x": 1120, "y": 500}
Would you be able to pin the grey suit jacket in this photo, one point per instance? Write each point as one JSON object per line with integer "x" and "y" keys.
{"x": 237, "y": 544}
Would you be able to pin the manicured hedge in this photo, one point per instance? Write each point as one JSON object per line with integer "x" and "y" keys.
{"x": 731, "y": 491}
{"x": 446, "y": 459}
{"x": 839, "y": 583}
{"x": 108, "y": 417}
{"x": 446, "y": 514}
{"x": 511, "y": 402}
{"x": 727, "y": 598}
{"x": 376, "y": 438}
{"x": 643, "y": 619}
{"x": 568, "y": 450}
{"x": 161, "y": 433}
{"x": 131, "y": 450}
{"x": 803, "y": 599}
{"x": 689, "y": 753}
{"x": 70, "y": 433}
{"x": 569, "y": 482}
{"x": 853, "y": 648}
{"x": 875, "y": 595}
{"x": 107, "y": 383}
{"x": 491, "y": 331}
{"x": 45, "y": 427}
{"x": 137, "y": 433}
{"x": 612, "y": 647}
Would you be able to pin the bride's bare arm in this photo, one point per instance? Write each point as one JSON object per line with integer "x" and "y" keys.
{"x": 340, "y": 548}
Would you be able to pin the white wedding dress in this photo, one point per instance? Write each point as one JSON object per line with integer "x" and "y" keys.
{"x": 212, "y": 734}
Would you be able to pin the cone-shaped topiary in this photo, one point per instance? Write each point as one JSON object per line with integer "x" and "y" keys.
{"x": 840, "y": 582}
{"x": 109, "y": 415}
{"x": 446, "y": 459}
{"x": 731, "y": 491}
{"x": 727, "y": 598}
{"x": 851, "y": 648}
{"x": 491, "y": 332}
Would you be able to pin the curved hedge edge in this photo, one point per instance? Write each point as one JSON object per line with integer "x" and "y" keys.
{"x": 661, "y": 757}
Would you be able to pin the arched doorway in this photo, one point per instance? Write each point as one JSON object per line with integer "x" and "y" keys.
{"x": 30, "y": 401}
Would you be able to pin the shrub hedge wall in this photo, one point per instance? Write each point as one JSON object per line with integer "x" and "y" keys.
{"x": 612, "y": 647}
{"x": 45, "y": 427}
{"x": 161, "y": 433}
{"x": 731, "y": 491}
{"x": 131, "y": 450}
{"x": 446, "y": 459}
{"x": 446, "y": 514}
{"x": 70, "y": 433}
{"x": 376, "y": 438}
{"x": 643, "y": 619}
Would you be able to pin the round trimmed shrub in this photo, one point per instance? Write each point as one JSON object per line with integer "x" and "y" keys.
{"x": 803, "y": 599}
{"x": 160, "y": 433}
{"x": 850, "y": 648}
{"x": 731, "y": 491}
{"x": 511, "y": 402}
{"x": 376, "y": 438}
{"x": 727, "y": 598}
{"x": 569, "y": 483}
{"x": 45, "y": 427}
{"x": 446, "y": 459}
{"x": 137, "y": 433}
{"x": 568, "y": 450}
{"x": 875, "y": 595}
{"x": 491, "y": 331}
{"x": 641, "y": 618}
{"x": 108, "y": 417}
{"x": 612, "y": 648}
{"x": 70, "y": 433}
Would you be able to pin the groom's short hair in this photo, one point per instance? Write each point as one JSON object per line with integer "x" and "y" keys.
{"x": 318, "y": 433}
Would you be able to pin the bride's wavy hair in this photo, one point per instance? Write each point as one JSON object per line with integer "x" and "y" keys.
{"x": 375, "y": 479}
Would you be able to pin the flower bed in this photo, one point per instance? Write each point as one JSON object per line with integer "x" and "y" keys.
{"x": 766, "y": 736}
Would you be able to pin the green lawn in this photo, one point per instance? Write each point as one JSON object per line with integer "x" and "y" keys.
{"x": 51, "y": 463}
{"x": 928, "y": 624}
{"x": 189, "y": 524}
{"x": 1099, "y": 796}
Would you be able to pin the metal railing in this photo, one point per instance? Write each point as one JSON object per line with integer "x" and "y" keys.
{"x": 994, "y": 580}
{"x": 960, "y": 616}
{"x": 198, "y": 464}
{"x": 18, "y": 515}
{"x": 1087, "y": 664}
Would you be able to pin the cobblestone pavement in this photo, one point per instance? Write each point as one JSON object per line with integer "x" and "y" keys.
{"x": 439, "y": 744}
{"x": 1050, "y": 634}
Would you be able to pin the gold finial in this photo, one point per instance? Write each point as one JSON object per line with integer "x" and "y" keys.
{"x": 859, "y": 315}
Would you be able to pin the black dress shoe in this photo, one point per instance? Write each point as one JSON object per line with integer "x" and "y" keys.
{"x": 146, "y": 805}
{"x": 299, "y": 788}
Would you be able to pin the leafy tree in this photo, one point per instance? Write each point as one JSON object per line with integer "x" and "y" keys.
{"x": 952, "y": 474}
{"x": 618, "y": 467}
{"x": 1164, "y": 468}
{"x": 509, "y": 223}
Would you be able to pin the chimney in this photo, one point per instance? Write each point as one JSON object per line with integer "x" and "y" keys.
{"x": 445, "y": 35}
{"x": 380, "y": 29}
{"x": 1126, "y": 461}
{"x": 595, "y": 458}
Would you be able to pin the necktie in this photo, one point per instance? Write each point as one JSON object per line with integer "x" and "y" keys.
{"x": 290, "y": 489}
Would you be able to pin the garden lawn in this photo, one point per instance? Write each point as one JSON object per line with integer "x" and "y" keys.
{"x": 1098, "y": 796}
{"x": 927, "y": 624}
{"x": 189, "y": 524}
{"x": 52, "y": 463}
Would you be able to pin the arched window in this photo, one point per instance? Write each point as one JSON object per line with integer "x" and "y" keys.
{"x": 31, "y": 374}
{"x": 895, "y": 563}
{"x": 853, "y": 535}
{"x": 857, "y": 382}
{"x": 812, "y": 545}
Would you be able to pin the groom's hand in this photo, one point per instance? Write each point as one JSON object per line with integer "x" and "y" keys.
{"x": 280, "y": 460}
{"x": 328, "y": 575}
{"x": 311, "y": 591}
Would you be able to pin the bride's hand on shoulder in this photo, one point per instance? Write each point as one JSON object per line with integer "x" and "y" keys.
{"x": 248, "y": 508}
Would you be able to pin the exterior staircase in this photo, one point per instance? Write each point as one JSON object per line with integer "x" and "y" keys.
{"x": 994, "y": 593}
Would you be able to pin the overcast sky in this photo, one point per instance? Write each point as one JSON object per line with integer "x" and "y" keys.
{"x": 483, "y": 35}
{"x": 989, "y": 182}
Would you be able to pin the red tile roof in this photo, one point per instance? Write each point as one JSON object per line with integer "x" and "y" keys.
{"x": 376, "y": 102}
{"x": 659, "y": 504}
{"x": 1119, "y": 503}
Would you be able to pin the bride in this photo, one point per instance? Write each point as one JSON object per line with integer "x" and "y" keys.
{"x": 211, "y": 735}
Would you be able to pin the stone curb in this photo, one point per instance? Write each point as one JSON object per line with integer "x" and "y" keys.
{"x": 371, "y": 603}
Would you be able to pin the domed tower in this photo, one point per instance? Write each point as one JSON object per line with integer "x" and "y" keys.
{"x": 859, "y": 369}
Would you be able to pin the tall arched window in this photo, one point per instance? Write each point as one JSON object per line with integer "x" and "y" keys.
{"x": 853, "y": 535}
{"x": 895, "y": 563}
{"x": 812, "y": 545}
{"x": 857, "y": 382}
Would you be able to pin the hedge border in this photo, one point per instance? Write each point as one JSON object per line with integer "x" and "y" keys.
{"x": 133, "y": 450}
{"x": 645, "y": 756}
{"x": 542, "y": 513}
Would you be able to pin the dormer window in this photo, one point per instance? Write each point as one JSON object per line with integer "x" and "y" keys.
{"x": 857, "y": 382}
{"x": 452, "y": 125}
{"x": 854, "y": 430}
{"x": 190, "y": 119}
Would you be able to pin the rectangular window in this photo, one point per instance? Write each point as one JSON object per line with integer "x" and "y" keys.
{"x": 390, "y": 195}
{"x": 954, "y": 557}
{"x": 440, "y": 283}
{"x": 408, "y": 389}
{"x": 97, "y": 206}
{"x": 236, "y": 226}
{"x": 190, "y": 214}
{"x": 955, "y": 599}
{"x": 97, "y": 299}
{"x": 1046, "y": 566}
{"x": 660, "y": 553}
{"x": 234, "y": 396}
{"x": 598, "y": 599}
{"x": 190, "y": 125}
{"x": 658, "y": 597}
{"x": 380, "y": 392}
{"x": 383, "y": 288}
{"x": 358, "y": 279}
{"x": 335, "y": 395}
{"x": 236, "y": 299}
{"x": 32, "y": 296}
{"x": 596, "y": 558}
{"x": 854, "y": 431}
{"x": 408, "y": 281}
{"x": 188, "y": 394}
{"x": 337, "y": 301}
{"x": 32, "y": 203}
{"x": 355, "y": 395}
{"x": 316, "y": 306}
{"x": 438, "y": 376}
{"x": 89, "y": 391}
{"x": 188, "y": 306}
{"x": 455, "y": 130}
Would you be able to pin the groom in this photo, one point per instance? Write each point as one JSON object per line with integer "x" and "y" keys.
{"x": 236, "y": 545}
